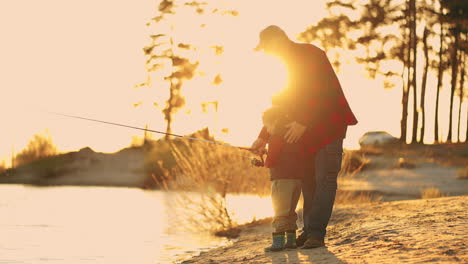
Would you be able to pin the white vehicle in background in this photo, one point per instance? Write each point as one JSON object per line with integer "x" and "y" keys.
{"x": 374, "y": 138}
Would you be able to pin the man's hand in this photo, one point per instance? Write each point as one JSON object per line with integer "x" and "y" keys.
{"x": 258, "y": 147}
{"x": 295, "y": 132}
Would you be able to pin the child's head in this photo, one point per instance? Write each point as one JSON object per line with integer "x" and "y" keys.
{"x": 274, "y": 120}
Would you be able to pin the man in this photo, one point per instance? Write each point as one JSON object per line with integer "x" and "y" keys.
{"x": 320, "y": 115}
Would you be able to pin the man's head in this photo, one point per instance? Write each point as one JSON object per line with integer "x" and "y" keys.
{"x": 273, "y": 40}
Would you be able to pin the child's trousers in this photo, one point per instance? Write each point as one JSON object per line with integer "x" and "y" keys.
{"x": 285, "y": 194}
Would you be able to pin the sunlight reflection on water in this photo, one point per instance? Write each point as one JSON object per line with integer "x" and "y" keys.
{"x": 102, "y": 225}
{"x": 245, "y": 208}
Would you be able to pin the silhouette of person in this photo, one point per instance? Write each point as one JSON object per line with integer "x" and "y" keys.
{"x": 318, "y": 115}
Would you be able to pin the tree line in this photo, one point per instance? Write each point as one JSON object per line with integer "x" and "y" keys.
{"x": 391, "y": 30}
{"x": 377, "y": 31}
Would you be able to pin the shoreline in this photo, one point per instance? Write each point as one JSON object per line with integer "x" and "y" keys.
{"x": 410, "y": 231}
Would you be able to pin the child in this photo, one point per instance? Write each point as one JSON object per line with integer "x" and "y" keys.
{"x": 286, "y": 173}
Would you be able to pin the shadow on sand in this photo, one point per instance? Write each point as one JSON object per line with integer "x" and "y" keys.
{"x": 312, "y": 256}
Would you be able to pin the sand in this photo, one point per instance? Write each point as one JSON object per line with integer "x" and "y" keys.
{"x": 413, "y": 231}
{"x": 385, "y": 177}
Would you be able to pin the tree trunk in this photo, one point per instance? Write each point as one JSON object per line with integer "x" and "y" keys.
{"x": 462, "y": 94}
{"x": 466, "y": 136}
{"x": 168, "y": 111}
{"x": 414, "y": 50}
{"x": 440, "y": 74}
{"x": 454, "y": 62}
{"x": 404, "y": 112}
{"x": 407, "y": 87}
{"x": 423, "y": 85}
{"x": 169, "y": 108}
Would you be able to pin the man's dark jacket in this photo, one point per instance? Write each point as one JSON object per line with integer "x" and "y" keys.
{"x": 314, "y": 98}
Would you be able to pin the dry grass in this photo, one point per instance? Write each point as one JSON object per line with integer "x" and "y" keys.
{"x": 39, "y": 147}
{"x": 352, "y": 197}
{"x": 194, "y": 165}
{"x": 2, "y": 167}
{"x": 462, "y": 174}
{"x": 431, "y": 192}
{"x": 206, "y": 173}
{"x": 200, "y": 212}
{"x": 353, "y": 162}
{"x": 371, "y": 150}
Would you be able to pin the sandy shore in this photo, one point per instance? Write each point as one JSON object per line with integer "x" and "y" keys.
{"x": 405, "y": 183}
{"x": 415, "y": 231}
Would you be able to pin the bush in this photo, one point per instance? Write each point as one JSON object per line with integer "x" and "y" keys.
{"x": 431, "y": 192}
{"x": 40, "y": 146}
{"x": 2, "y": 167}
{"x": 353, "y": 162}
{"x": 159, "y": 161}
{"x": 50, "y": 167}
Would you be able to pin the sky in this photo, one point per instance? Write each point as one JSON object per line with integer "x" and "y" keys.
{"x": 76, "y": 57}
{"x": 85, "y": 57}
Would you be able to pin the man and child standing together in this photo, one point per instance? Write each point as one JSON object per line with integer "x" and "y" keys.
{"x": 304, "y": 130}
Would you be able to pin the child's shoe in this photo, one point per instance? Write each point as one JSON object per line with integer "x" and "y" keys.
{"x": 290, "y": 239}
{"x": 278, "y": 242}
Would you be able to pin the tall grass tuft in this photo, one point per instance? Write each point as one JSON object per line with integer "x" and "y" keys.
{"x": 39, "y": 147}
{"x": 353, "y": 162}
{"x": 194, "y": 165}
{"x": 2, "y": 167}
{"x": 202, "y": 174}
{"x": 353, "y": 197}
{"x": 431, "y": 192}
{"x": 227, "y": 170}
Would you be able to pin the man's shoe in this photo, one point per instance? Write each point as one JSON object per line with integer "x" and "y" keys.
{"x": 312, "y": 242}
{"x": 290, "y": 239}
{"x": 301, "y": 239}
{"x": 278, "y": 243}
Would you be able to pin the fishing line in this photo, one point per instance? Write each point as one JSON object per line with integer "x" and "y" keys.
{"x": 154, "y": 131}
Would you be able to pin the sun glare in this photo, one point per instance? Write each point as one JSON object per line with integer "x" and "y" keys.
{"x": 96, "y": 79}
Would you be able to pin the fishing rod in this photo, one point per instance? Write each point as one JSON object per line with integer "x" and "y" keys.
{"x": 255, "y": 162}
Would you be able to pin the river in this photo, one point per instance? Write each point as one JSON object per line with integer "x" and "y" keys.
{"x": 106, "y": 225}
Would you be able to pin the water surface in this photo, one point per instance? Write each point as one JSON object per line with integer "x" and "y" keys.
{"x": 106, "y": 225}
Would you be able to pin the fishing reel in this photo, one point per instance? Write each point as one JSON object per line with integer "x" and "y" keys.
{"x": 258, "y": 162}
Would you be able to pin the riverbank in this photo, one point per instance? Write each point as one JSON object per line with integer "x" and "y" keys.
{"x": 414, "y": 231}
{"x": 85, "y": 167}
{"x": 357, "y": 228}
{"x": 400, "y": 171}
